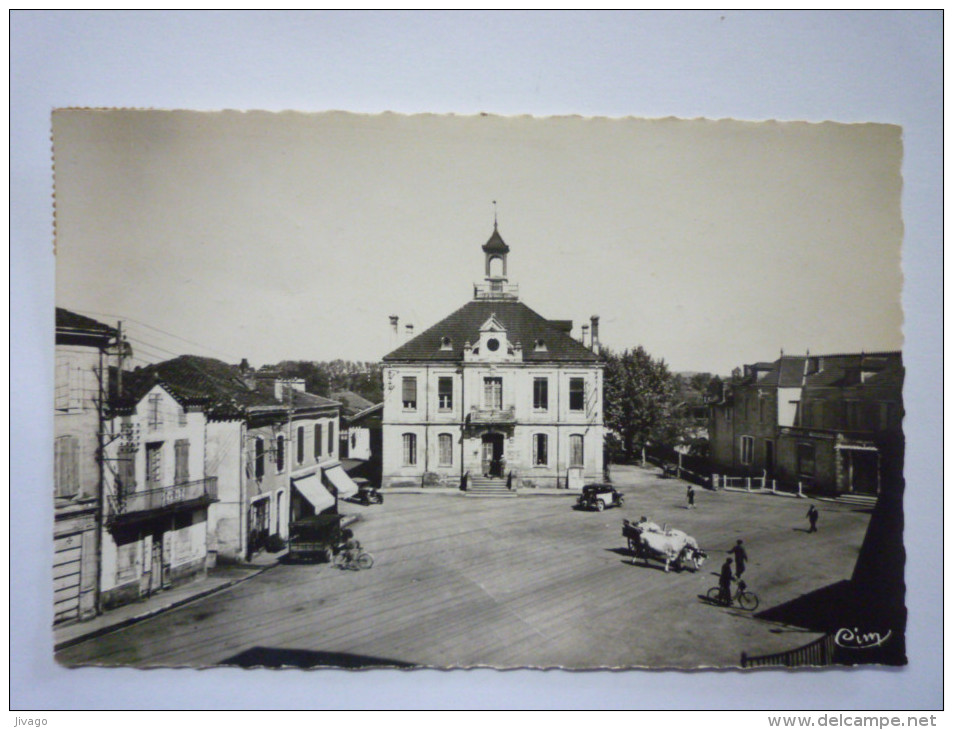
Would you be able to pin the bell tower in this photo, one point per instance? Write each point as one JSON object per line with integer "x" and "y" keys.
{"x": 495, "y": 251}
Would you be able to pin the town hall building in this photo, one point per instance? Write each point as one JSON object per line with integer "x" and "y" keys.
{"x": 494, "y": 395}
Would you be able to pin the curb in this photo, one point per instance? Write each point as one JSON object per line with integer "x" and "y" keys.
{"x": 103, "y": 630}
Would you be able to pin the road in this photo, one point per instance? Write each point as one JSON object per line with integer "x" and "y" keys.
{"x": 517, "y": 582}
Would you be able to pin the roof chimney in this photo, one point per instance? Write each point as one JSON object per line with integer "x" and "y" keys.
{"x": 585, "y": 335}
{"x": 410, "y": 332}
{"x": 595, "y": 333}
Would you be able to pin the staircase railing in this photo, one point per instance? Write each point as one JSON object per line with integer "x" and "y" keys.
{"x": 819, "y": 653}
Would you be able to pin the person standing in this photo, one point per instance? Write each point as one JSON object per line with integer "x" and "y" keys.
{"x": 812, "y": 515}
{"x": 724, "y": 582}
{"x": 741, "y": 558}
{"x": 691, "y": 497}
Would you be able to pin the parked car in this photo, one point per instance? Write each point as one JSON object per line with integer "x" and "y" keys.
{"x": 367, "y": 493}
{"x": 598, "y": 497}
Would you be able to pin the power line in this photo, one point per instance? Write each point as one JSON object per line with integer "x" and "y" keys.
{"x": 230, "y": 356}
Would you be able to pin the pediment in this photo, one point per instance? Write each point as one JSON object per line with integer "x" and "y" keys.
{"x": 493, "y": 325}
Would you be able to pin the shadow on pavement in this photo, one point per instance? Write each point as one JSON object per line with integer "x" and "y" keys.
{"x": 273, "y": 658}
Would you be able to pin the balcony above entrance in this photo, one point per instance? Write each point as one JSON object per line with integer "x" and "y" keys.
{"x": 491, "y": 416}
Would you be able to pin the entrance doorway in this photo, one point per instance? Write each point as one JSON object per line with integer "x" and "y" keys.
{"x": 769, "y": 457}
{"x": 863, "y": 472}
{"x": 493, "y": 463}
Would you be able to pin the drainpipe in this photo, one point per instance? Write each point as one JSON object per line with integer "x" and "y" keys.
{"x": 426, "y": 421}
{"x": 463, "y": 421}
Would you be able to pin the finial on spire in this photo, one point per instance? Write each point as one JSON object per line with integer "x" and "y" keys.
{"x": 494, "y": 215}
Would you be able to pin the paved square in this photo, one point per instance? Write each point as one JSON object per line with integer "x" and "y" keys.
{"x": 514, "y": 582}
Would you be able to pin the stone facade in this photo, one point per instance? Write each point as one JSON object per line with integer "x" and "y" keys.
{"x": 493, "y": 390}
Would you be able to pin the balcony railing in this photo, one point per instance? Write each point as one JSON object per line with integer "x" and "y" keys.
{"x": 492, "y": 415}
{"x": 164, "y": 498}
{"x": 496, "y": 290}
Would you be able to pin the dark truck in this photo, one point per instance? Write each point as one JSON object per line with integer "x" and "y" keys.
{"x": 317, "y": 538}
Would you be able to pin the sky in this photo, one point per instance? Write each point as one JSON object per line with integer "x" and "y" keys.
{"x": 276, "y": 236}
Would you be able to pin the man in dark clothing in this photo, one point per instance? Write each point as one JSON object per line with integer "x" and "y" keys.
{"x": 724, "y": 582}
{"x": 741, "y": 558}
{"x": 691, "y": 497}
{"x": 812, "y": 515}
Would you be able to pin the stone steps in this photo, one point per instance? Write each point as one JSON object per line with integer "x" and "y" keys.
{"x": 487, "y": 487}
{"x": 864, "y": 500}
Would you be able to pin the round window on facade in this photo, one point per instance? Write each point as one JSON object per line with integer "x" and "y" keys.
{"x": 493, "y": 344}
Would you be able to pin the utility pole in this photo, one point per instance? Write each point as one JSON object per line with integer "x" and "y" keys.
{"x": 122, "y": 351}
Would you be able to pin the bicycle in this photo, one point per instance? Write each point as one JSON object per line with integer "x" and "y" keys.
{"x": 345, "y": 560}
{"x": 745, "y": 598}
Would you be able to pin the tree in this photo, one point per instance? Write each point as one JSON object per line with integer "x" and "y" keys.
{"x": 639, "y": 400}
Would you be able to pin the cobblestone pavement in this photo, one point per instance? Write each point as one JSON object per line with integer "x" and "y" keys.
{"x": 511, "y": 582}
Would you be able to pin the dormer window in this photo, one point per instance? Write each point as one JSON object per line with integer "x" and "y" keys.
{"x": 540, "y": 345}
{"x": 446, "y": 344}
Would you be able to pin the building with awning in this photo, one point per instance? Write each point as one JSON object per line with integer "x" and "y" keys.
{"x": 314, "y": 493}
{"x": 341, "y": 482}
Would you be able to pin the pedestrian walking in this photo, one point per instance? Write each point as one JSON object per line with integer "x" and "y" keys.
{"x": 741, "y": 557}
{"x": 724, "y": 582}
{"x": 691, "y": 497}
{"x": 812, "y": 515}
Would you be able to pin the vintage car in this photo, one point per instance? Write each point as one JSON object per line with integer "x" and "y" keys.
{"x": 367, "y": 493}
{"x": 317, "y": 538}
{"x": 598, "y": 497}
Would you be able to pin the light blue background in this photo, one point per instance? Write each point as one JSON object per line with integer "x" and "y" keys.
{"x": 843, "y": 66}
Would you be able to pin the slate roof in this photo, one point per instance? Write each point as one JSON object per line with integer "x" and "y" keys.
{"x": 522, "y": 325}
{"x": 496, "y": 244}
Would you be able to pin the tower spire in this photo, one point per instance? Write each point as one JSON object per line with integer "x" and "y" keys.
{"x": 494, "y": 215}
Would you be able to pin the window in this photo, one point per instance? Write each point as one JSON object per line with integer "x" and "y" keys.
{"x": 747, "y": 449}
{"x": 66, "y": 466}
{"x": 181, "y": 461}
{"x": 410, "y": 393}
{"x": 540, "y": 449}
{"x": 410, "y": 449}
{"x": 576, "y": 454}
{"x": 446, "y": 449}
{"x": 154, "y": 465}
{"x": 280, "y": 453}
{"x": 259, "y": 458}
{"x": 493, "y": 393}
{"x": 330, "y": 438}
{"x": 805, "y": 460}
{"x": 445, "y": 394}
{"x": 539, "y": 346}
{"x": 353, "y": 440}
{"x": 68, "y": 391}
{"x": 577, "y": 394}
{"x": 300, "y": 444}
{"x": 155, "y": 415}
{"x": 492, "y": 344}
{"x": 126, "y": 473}
{"x": 446, "y": 344}
{"x": 541, "y": 394}
{"x": 317, "y": 440}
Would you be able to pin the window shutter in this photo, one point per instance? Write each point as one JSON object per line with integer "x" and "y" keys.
{"x": 181, "y": 461}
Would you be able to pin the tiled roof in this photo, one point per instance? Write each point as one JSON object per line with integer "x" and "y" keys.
{"x": 211, "y": 382}
{"x": 353, "y": 403}
{"x": 522, "y": 325}
{"x": 66, "y": 319}
{"x": 302, "y": 399}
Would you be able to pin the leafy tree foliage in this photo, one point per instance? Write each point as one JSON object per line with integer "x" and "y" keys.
{"x": 324, "y": 378}
{"x": 640, "y": 401}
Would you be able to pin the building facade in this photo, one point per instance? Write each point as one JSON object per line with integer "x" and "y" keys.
{"x": 157, "y": 495}
{"x": 496, "y": 391}
{"x": 831, "y": 423}
{"x": 84, "y": 351}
